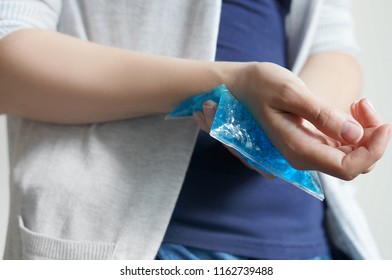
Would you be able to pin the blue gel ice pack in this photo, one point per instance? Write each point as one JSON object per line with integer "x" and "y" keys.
{"x": 235, "y": 127}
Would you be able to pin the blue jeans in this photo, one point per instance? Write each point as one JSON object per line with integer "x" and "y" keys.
{"x": 171, "y": 251}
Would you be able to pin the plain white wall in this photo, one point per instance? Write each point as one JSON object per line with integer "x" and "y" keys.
{"x": 373, "y": 30}
{"x": 373, "y": 23}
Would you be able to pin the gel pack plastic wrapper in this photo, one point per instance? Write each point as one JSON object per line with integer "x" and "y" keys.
{"x": 235, "y": 126}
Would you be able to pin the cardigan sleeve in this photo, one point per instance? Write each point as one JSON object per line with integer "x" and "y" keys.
{"x": 18, "y": 14}
{"x": 335, "y": 29}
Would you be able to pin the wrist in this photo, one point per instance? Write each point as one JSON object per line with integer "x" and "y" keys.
{"x": 232, "y": 74}
{"x": 240, "y": 79}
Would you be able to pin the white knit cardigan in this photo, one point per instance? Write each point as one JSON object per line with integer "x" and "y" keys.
{"x": 107, "y": 191}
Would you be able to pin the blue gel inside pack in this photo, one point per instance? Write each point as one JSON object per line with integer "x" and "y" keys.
{"x": 235, "y": 126}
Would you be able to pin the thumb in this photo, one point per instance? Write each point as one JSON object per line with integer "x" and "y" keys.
{"x": 329, "y": 120}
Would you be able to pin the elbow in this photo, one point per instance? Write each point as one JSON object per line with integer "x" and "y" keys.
{"x": 11, "y": 60}
{"x": 12, "y": 48}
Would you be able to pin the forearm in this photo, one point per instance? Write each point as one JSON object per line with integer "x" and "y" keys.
{"x": 334, "y": 77}
{"x": 52, "y": 77}
{"x": 56, "y": 78}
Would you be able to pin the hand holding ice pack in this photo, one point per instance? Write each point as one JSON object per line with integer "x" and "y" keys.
{"x": 234, "y": 126}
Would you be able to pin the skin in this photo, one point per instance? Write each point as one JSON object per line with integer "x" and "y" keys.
{"x": 337, "y": 154}
{"x": 51, "y": 77}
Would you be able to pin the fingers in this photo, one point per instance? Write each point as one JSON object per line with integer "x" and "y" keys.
{"x": 333, "y": 122}
{"x": 363, "y": 111}
{"x": 364, "y": 157}
{"x": 345, "y": 164}
{"x": 369, "y": 169}
{"x": 299, "y": 101}
{"x": 346, "y": 149}
{"x": 206, "y": 117}
{"x": 305, "y": 150}
{"x": 209, "y": 110}
{"x": 201, "y": 122}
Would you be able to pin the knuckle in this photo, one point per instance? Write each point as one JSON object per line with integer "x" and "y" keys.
{"x": 288, "y": 89}
{"x": 298, "y": 165}
{"x": 376, "y": 155}
{"x": 349, "y": 177}
{"x": 346, "y": 175}
{"x": 323, "y": 117}
{"x": 287, "y": 152}
{"x": 292, "y": 159}
{"x": 291, "y": 93}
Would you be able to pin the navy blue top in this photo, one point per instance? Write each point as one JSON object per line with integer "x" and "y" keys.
{"x": 224, "y": 206}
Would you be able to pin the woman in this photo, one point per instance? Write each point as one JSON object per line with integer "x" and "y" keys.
{"x": 96, "y": 171}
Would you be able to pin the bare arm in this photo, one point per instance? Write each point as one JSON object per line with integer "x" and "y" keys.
{"x": 52, "y": 77}
{"x": 334, "y": 77}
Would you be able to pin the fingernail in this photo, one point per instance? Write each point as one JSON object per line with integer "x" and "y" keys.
{"x": 351, "y": 132}
{"x": 369, "y": 105}
{"x": 209, "y": 109}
